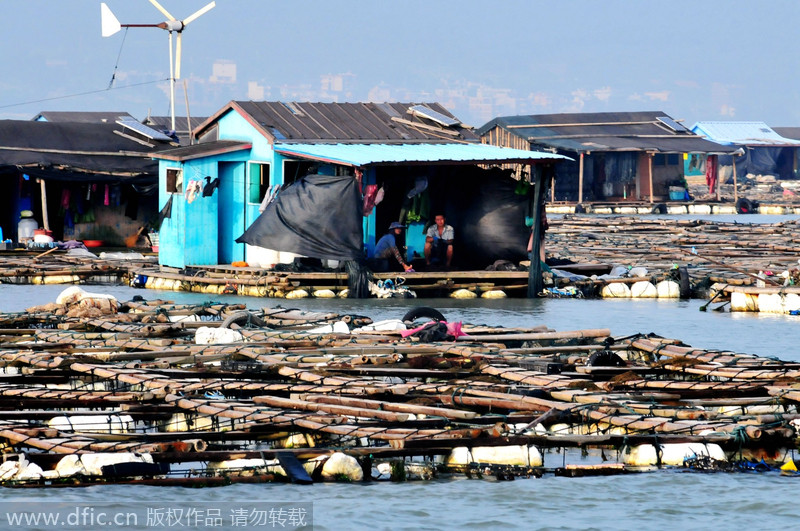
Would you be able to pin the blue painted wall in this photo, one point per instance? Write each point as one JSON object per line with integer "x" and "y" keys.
{"x": 204, "y": 231}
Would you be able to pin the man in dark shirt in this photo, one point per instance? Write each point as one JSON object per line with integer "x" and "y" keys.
{"x": 386, "y": 249}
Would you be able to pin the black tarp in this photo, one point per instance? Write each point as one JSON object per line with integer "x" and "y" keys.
{"x": 488, "y": 214}
{"x": 317, "y": 216}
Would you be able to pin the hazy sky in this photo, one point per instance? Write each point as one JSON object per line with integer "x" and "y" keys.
{"x": 693, "y": 59}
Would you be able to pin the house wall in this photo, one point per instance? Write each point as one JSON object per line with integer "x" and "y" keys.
{"x": 190, "y": 235}
{"x": 664, "y": 175}
{"x": 643, "y": 177}
{"x": 497, "y": 136}
{"x": 204, "y": 231}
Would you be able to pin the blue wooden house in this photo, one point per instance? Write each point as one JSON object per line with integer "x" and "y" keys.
{"x": 210, "y": 192}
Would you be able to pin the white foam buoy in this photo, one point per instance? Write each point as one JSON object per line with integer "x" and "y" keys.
{"x": 207, "y": 335}
{"x": 324, "y": 294}
{"x": 643, "y": 290}
{"x": 342, "y": 466}
{"x": 618, "y": 290}
{"x": 668, "y": 289}
{"x": 493, "y": 294}
{"x": 247, "y": 467}
{"x": 93, "y": 423}
{"x": 743, "y": 302}
{"x": 75, "y": 295}
{"x": 297, "y": 294}
{"x": 92, "y": 464}
{"x": 672, "y": 454}
{"x": 463, "y": 294}
{"x": 519, "y": 455}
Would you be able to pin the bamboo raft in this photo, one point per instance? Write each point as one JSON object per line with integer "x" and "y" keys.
{"x": 120, "y": 394}
{"x": 703, "y": 252}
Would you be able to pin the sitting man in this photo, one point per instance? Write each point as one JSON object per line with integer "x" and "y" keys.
{"x": 439, "y": 243}
{"x": 386, "y": 248}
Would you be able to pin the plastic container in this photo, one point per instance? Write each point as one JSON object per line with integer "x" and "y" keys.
{"x": 677, "y": 193}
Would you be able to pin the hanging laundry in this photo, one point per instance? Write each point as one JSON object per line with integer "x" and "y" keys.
{"x": 165, "y": 212}
{"x": 193, "y": 188}
{"x": 711, "y": 174}
{"x": 523, "y": 187}
{"x": 65, "y": 198}
{"x": 420, "y": 185}
{"x": 369, "y": 198}
{"x": 420, "y": 208}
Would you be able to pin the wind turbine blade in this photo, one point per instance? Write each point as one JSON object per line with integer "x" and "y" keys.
{"x": 109, "y": 24}
{"x": 199, "y": 12}
{"x": 178, "y": 57}
{"x": 164, "y": 11}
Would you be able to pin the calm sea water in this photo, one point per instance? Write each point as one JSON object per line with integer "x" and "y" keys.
{"x": 656, "y": 500}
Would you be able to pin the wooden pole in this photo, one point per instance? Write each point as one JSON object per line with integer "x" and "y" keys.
{"x": 735, "y": 187}
{"x": 188, "y": 116}
{"x": 45, "y": 219}
{"x": 580, "y": 180}
{"x": 650, "y": 173}
{"x": 535, "y": 281}
{"x": 716, "y": 176}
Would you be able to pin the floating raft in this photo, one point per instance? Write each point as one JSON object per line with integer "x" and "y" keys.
{"x": 670, "y": 207}
{"x": 95, "y": 392}
{"x": 764, "y": 299}
{"x": 710, "y": 252}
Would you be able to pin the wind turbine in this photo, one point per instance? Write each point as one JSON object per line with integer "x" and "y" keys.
{"x": 110, "y": 25}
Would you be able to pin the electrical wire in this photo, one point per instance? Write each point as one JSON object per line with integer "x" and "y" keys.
{"x": 82, "y": 93}
{"x": 116, "y": 64}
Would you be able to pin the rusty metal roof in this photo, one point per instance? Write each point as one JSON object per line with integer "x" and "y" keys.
{"x": 206, "y": 149}
{"x": 306, "y": 122}
{"x": 652, "y": 131}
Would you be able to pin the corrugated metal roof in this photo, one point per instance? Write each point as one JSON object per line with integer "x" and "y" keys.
{"x": 788, "y": 132}
{"x": 77, "y": 151}
{"x": 390, "y": 154}
{"x": 742, "y": 134}
{"x": 678, "y": 144}
{"x": 108, "y": 117}
{"x": 345, "y": 122}
{"x": 206, "y": 149}
{"x": 605, "y": 131}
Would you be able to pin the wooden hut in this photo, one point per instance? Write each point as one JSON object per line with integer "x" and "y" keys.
{"x": 250, "y": 151}
{"x": 617, "y": 155}
{"x": 78, "y": 175}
